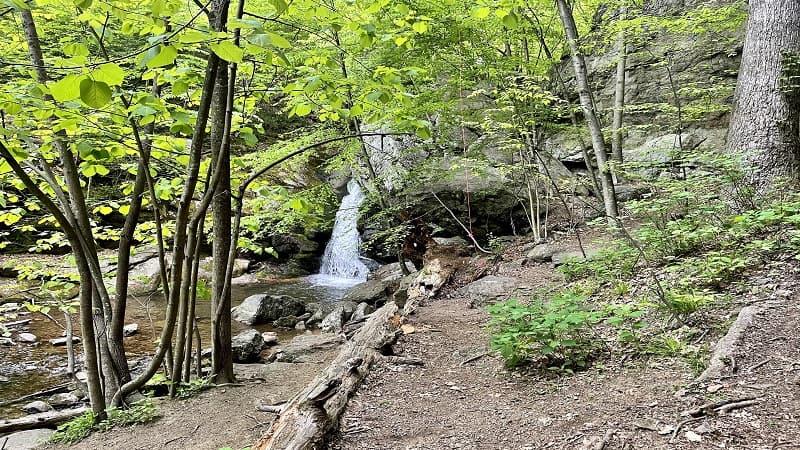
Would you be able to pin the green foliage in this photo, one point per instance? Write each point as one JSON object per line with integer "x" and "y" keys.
{"x": 81, "y": 427}
{"x": 612, "y": 263}
{"x": 557, "y": 331}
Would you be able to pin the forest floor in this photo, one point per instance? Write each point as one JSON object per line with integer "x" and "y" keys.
{"x": 458, "y": 401}
{"x": 464, "y": 397}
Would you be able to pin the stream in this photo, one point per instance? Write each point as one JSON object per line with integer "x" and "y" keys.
{"x": 29, "y": 368}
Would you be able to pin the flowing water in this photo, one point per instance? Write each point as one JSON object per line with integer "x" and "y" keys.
{"x": 26, "y": 368}
{"x": 341, "y": 264}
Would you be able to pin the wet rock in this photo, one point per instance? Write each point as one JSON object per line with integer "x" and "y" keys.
{"x": 488, "y": 290}
{"x": 130, "y": 329}
{"x": 264, "y": 308}
{"x": 63, "y": 400}
{"x": 318, "y": 310}
{"x": 391, "y": 272}
{"x": 269, "y": 338}
{"x": 302, "y": 347}
{"x": 541, "y": 253}
{"x": 348, "y": 307}
{"x": 246, "y": 346}
{"x": 37, "y": 406}
{"x": 332, "y": 323}
{"x": 367, "y": 292}
{"x": 285, "y": 322}
{"x": 59, "y": 342}
{"x": 27, "y": 440}
{"x": 362, "y": 310}
{"x": 27, "y": 338}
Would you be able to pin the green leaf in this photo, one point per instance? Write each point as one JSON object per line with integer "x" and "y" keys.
{"x": 18, "y": 5}
{"x": 420, "y": 27}
{"x": 280, "y": 6}
{"x": 482, "y": 12}
{"x": 511, "y": 21}
{"x": 82, "y": 4}
{"x": 166, "y": 55}
{"x": 68, "y": 88}
{"x": 228, "y": 51}
{"x": 279, "y": 41}
{"x": 109, "y": 73}
{"x": 302, "y": 109}
{"x": 95, "y": 93}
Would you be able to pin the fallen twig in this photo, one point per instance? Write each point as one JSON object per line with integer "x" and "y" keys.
{"x": 274, "y": 409}
{"x": 753, "y": 369}
{"x": 474, "y": 358}
{"x": 404, "y": 360}
{"x": 720, "y": 406}
{"x": 169, "y": 441}
{"x": 681, "y": 425}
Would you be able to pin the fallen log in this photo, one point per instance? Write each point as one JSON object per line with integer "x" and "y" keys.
{"x": 41, "y": 420}
{"x": 306, "y": 420}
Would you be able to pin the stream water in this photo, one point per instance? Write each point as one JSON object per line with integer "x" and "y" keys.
{"x": 29, "y": 368}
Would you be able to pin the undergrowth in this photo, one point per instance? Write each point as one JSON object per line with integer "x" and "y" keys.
{"x": 699, "y": 231}
{"x": 82, "y": 426}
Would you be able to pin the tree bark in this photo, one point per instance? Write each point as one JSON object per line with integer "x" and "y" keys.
{"x": 619, "y": 93}
{"x": 587, "y": 104}
{"x": 765, "y": 127}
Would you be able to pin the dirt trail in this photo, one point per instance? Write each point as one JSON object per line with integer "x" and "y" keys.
{"x": 479, "y": 405}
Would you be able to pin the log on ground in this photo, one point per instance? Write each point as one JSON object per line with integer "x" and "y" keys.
{"x": 313, "y": 414}
{"x": 42, "y": 420}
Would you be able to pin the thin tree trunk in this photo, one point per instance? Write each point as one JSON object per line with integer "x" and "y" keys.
{"x": 585, "y": 94}
{"x": 619, "y": 93}
{"x": 765, "y": 123}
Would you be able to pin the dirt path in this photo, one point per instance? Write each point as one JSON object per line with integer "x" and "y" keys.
{"x": 218, "y": 418}
{"x": 479, "y": 405}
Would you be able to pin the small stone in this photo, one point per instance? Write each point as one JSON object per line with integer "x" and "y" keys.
{"x": 714, "y": 388}
{"x": 58, "y": 342}
{"x": 27, "y": 338}
{"x": 300, "y": 326}
{"x": 130, "y": 329}
{"x": 63, "y": 399}
{"x": 4, "y": 379}
{"x": 691, "y": 436}
{"x": 37, "y": 406}
{"x": 81, "y": 376}
{"x": 270, "y": 338}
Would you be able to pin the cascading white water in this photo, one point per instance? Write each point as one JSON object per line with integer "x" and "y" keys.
{"x": 341, "y": 263}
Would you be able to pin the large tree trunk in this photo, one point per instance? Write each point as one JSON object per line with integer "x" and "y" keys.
{"x": 765, "y": 127}
{"x": 587, "y": 104}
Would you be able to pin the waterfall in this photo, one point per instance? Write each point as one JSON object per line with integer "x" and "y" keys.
{"x": 341, "y": 263}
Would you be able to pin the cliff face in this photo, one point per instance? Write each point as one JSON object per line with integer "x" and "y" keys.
{"x": 683, "y": 59}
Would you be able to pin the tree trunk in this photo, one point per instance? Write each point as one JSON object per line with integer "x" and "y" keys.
{"x": 619, "y": 94}
{"x": 587, "y": 104}
{"x": 765, "y": 123}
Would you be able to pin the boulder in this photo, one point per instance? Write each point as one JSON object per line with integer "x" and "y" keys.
{"x": 541, "y": 253}
{"x": 27, "y": 338}
{"x": 58, "y": 342}
{"x": 318, "y": 310}
{"x": 391, "y": 272}
{"x": 246, "y": 346}
{"x": 264, "y": 308}
{"x": 302, "y": 347}
{"x": 63, "y": 400}
{"x": 270, "y": 338}
{"x": 240, "y": 266}
{"x": 130, "y": 329}
{"x": 362, "y": 310}
{"x": 369, "y": 291}
{"x": 332, "y": 323}
{"x": 28, "y": 439}
{"x": 563, "y": 256}
{"x": 348, "y": 307}
{"x": 456, "y": 241}
{"x": 286, "y": 322}
{"x": 37, "y": 406}
{"x": 488, "y": 290}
